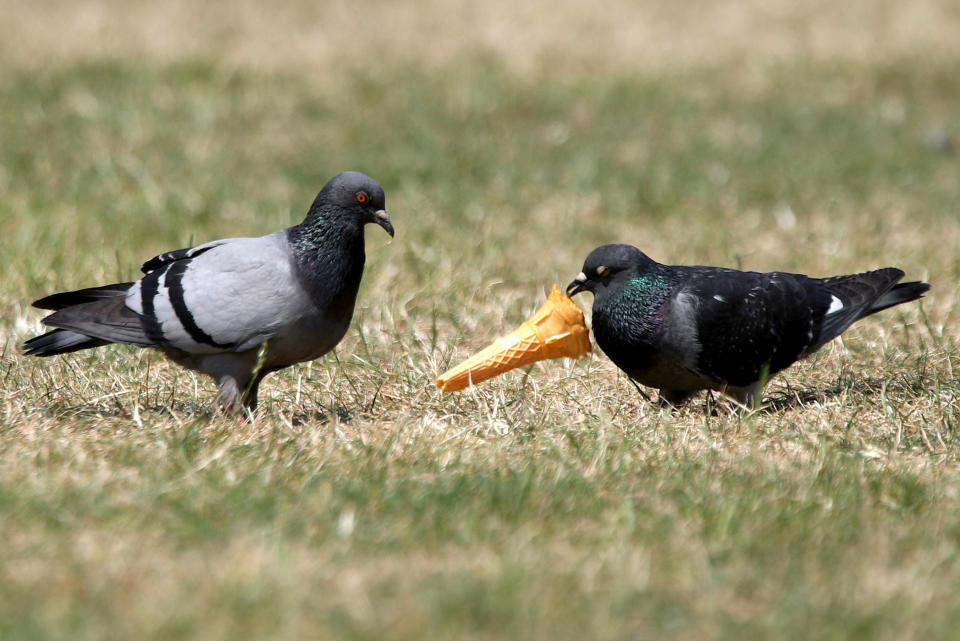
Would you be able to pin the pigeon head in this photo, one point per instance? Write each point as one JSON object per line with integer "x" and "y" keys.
{"x": 353, "y": 195}
{"x": 606, "y": 265}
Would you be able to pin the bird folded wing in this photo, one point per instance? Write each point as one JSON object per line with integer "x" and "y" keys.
{"x": 751, "y": 323}
{"x": 230, "y": 297}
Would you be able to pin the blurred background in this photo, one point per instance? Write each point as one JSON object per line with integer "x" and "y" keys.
{"x": 531, "y": 36}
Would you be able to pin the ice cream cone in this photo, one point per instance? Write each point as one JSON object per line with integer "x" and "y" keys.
{"x": 556, "y": 329}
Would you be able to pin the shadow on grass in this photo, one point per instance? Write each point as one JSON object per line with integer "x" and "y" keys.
{"x": 796, "y": 397}
{"x": 325, "y": 416}
{"x": 182, "y": 410}
{"x": 99, "y": 409}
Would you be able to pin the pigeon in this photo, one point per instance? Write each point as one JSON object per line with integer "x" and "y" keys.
{"x": 239, "y": 308}
{"x": 682, "y": 329}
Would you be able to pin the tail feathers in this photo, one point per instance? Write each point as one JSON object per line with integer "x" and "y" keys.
{"x": 858, "y": 295}
{"x": 60, "y": 341}
{"x": 902, "y": 293}
{"x": 80, "y": 296}
{"x": 108, "y": 319}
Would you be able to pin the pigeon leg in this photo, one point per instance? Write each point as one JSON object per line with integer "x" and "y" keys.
{"x": 640, "y": 391}
{"x": 252, "y": 389}
{"x": 229, "y": 393}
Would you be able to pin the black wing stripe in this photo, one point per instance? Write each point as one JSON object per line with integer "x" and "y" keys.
{"x": 177, "y": 254}
{"x": 149, "y": 286}
{"x": 174, "y": 284}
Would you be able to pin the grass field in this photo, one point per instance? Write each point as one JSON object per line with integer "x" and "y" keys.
{"x": 552, "y": 502}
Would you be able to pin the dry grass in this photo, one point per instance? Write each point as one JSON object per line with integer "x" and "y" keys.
{"x": 551, "y": 502}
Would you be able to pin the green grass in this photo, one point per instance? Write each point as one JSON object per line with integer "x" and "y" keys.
{"x": 549, "y": 503}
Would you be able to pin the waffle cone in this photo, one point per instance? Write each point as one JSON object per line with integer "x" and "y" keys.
{"x": 557, "y": 329}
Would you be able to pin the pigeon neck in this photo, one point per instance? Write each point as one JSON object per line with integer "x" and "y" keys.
{"x": 326, "y": 229}
{"x": 642, "y": 288}
{"x": 627, "y": 319}
{"x": 637, "y": 304}
{"x": 330, "y": 255}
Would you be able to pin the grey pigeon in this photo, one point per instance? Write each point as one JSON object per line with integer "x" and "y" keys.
{"x": 210, "y": 308}
{"x": 683, "y": 329}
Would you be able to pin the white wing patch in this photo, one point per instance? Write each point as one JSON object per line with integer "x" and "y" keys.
{"x": 719, "y": 298}
{"x": 835, "y": 305}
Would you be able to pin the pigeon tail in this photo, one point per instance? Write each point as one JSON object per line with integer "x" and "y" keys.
{"x": 901, "y": 293}
{"x": 60, "y": 341}
{"x": 86, "y": 318}
{"x": 88, "y": 295}
{"x": 108, "y": 319}
{"x": 860, "y": 295}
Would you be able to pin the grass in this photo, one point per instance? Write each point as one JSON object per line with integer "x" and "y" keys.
{"x": 551, "y": 502}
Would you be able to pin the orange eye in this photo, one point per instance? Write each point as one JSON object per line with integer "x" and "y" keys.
{"x": 362, "y": 197}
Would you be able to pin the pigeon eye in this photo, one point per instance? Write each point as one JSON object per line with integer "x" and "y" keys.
{"x": 362, "y": 197}
{"x": 603, "y": 270}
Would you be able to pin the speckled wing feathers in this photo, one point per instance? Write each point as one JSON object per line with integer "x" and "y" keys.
{"x": 751, "y": 323}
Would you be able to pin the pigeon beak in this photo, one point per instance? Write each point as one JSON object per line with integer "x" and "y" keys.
{"x": 578, "y": 284}
{"x": 382, "y": 218}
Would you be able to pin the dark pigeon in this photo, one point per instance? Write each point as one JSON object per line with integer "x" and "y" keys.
{"x": 683, "y": 329}
{"x": 210, "y": 308}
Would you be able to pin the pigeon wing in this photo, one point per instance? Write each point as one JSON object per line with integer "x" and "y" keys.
{"x": 752, "y": 325}
{"x": 231, "y": 296}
